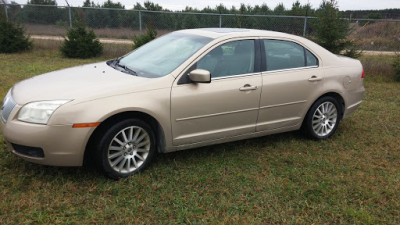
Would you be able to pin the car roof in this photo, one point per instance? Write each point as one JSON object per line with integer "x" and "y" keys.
{"x": 234, "y": 32}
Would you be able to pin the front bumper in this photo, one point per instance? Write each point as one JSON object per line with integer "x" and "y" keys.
{"x": 62, "y": 145}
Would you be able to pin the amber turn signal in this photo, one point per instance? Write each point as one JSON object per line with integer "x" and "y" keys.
{"x": 81, "y": 125}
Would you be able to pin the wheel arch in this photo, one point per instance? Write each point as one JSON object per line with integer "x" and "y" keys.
{"x": 338, "y": 97}
{"x": 335, "y": 95}
{"x": 154, "y": 124}
{"x": 305, "y": 125}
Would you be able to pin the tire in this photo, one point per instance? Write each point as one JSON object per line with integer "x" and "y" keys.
{"x": 322, "y": 118}
{"x": 126, "y": 148}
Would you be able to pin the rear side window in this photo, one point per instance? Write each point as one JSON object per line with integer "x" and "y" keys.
{"x": 311, "y": 60}
{"x": 287, "y": 55}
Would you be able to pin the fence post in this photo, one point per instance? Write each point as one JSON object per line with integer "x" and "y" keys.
{"x": 69, "y": 15}
{"x": 220, "y": 20}
{"x": 5, "y": 9}
{"x": 305, "y": 26}
{"x": 140, "y": 22}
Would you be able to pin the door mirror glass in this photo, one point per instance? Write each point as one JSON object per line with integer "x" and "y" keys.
{"x": 200, "y": 76}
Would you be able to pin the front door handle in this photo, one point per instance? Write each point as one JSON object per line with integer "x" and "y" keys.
{"x": 315, "y": 78}
{"x": 248, "y": 87}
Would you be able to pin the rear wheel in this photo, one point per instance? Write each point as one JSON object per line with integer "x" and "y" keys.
{"x": 323, "y": 118}
{"x": 126, "y": 148}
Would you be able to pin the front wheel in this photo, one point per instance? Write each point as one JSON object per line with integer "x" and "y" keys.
{"x": 323, "y": 118}
{"x": 126, "y": 148}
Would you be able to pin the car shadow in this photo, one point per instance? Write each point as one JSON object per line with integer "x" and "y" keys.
{"x": 90, "y": 173}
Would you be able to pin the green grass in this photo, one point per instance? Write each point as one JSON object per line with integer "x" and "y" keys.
{"x": 351, "y": 178}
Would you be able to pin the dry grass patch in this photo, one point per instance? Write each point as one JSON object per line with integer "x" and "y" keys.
{"x": 54, "y": 30}
{"x": 379, "y": 36}
{"x": 378, "y": 66}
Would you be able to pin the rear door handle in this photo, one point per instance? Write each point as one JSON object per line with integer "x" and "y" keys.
{"x": 248, "y": 87}
{"x": 315, "y": 78}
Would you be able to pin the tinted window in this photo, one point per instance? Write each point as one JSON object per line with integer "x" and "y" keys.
{"x": 286, "y": 55}
{"x": 311, "y": 59}
{"x": 231, "y": 58}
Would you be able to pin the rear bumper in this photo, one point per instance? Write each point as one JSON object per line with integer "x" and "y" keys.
{"x": 350, "y": 109}
{"x": 355, "y": 102}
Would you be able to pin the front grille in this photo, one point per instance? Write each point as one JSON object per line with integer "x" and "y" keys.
{"x": 8, "y": 106}
{"x": 28, "y": 151}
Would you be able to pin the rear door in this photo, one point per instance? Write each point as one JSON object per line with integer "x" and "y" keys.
{"x": 291, "y": 77}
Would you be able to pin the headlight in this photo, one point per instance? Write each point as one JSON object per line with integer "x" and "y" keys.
{"x": 39, "y": 112}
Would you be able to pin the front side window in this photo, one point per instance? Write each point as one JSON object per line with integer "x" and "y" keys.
{"x": 232, "y": 58}
{"x": 287, "y": 55}
{"x": 162, "y": 55}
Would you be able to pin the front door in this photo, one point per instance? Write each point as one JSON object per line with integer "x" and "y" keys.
{"x": 226, "y": 107}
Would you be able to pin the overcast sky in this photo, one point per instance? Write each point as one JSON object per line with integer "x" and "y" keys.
{"x": 200, "y": 4}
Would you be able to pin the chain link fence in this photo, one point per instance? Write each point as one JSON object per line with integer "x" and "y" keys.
{"x": 123, "y": 23}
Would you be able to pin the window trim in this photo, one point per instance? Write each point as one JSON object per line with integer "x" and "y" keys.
{"x": 236, "y": 76}
{"x": 290, "y": 69}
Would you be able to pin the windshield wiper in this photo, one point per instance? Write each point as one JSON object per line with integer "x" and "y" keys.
{"x": 127, "y": 69}
{"x": 124, "y": 67}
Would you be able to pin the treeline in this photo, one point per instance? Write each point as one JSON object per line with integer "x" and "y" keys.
{"x": 373, "y": 14}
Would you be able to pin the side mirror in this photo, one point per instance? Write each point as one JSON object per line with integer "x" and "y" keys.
{"x": 200, "y": 76}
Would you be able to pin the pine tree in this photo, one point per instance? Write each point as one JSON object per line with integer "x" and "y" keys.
{"x": 81, "y": 44}
{"x": 332, "y": 30}
{"x": 12, "y": 38}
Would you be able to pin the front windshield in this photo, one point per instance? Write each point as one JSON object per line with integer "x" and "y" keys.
{"x": 161, "y": 56}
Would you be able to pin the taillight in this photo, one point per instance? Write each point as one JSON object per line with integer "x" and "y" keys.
{"x": 362, "y": 75}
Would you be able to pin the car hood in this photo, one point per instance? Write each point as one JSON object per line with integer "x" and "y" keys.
{"x": 82, "y": 82}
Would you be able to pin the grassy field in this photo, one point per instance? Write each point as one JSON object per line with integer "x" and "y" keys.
{"x": 352, "y": 178}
